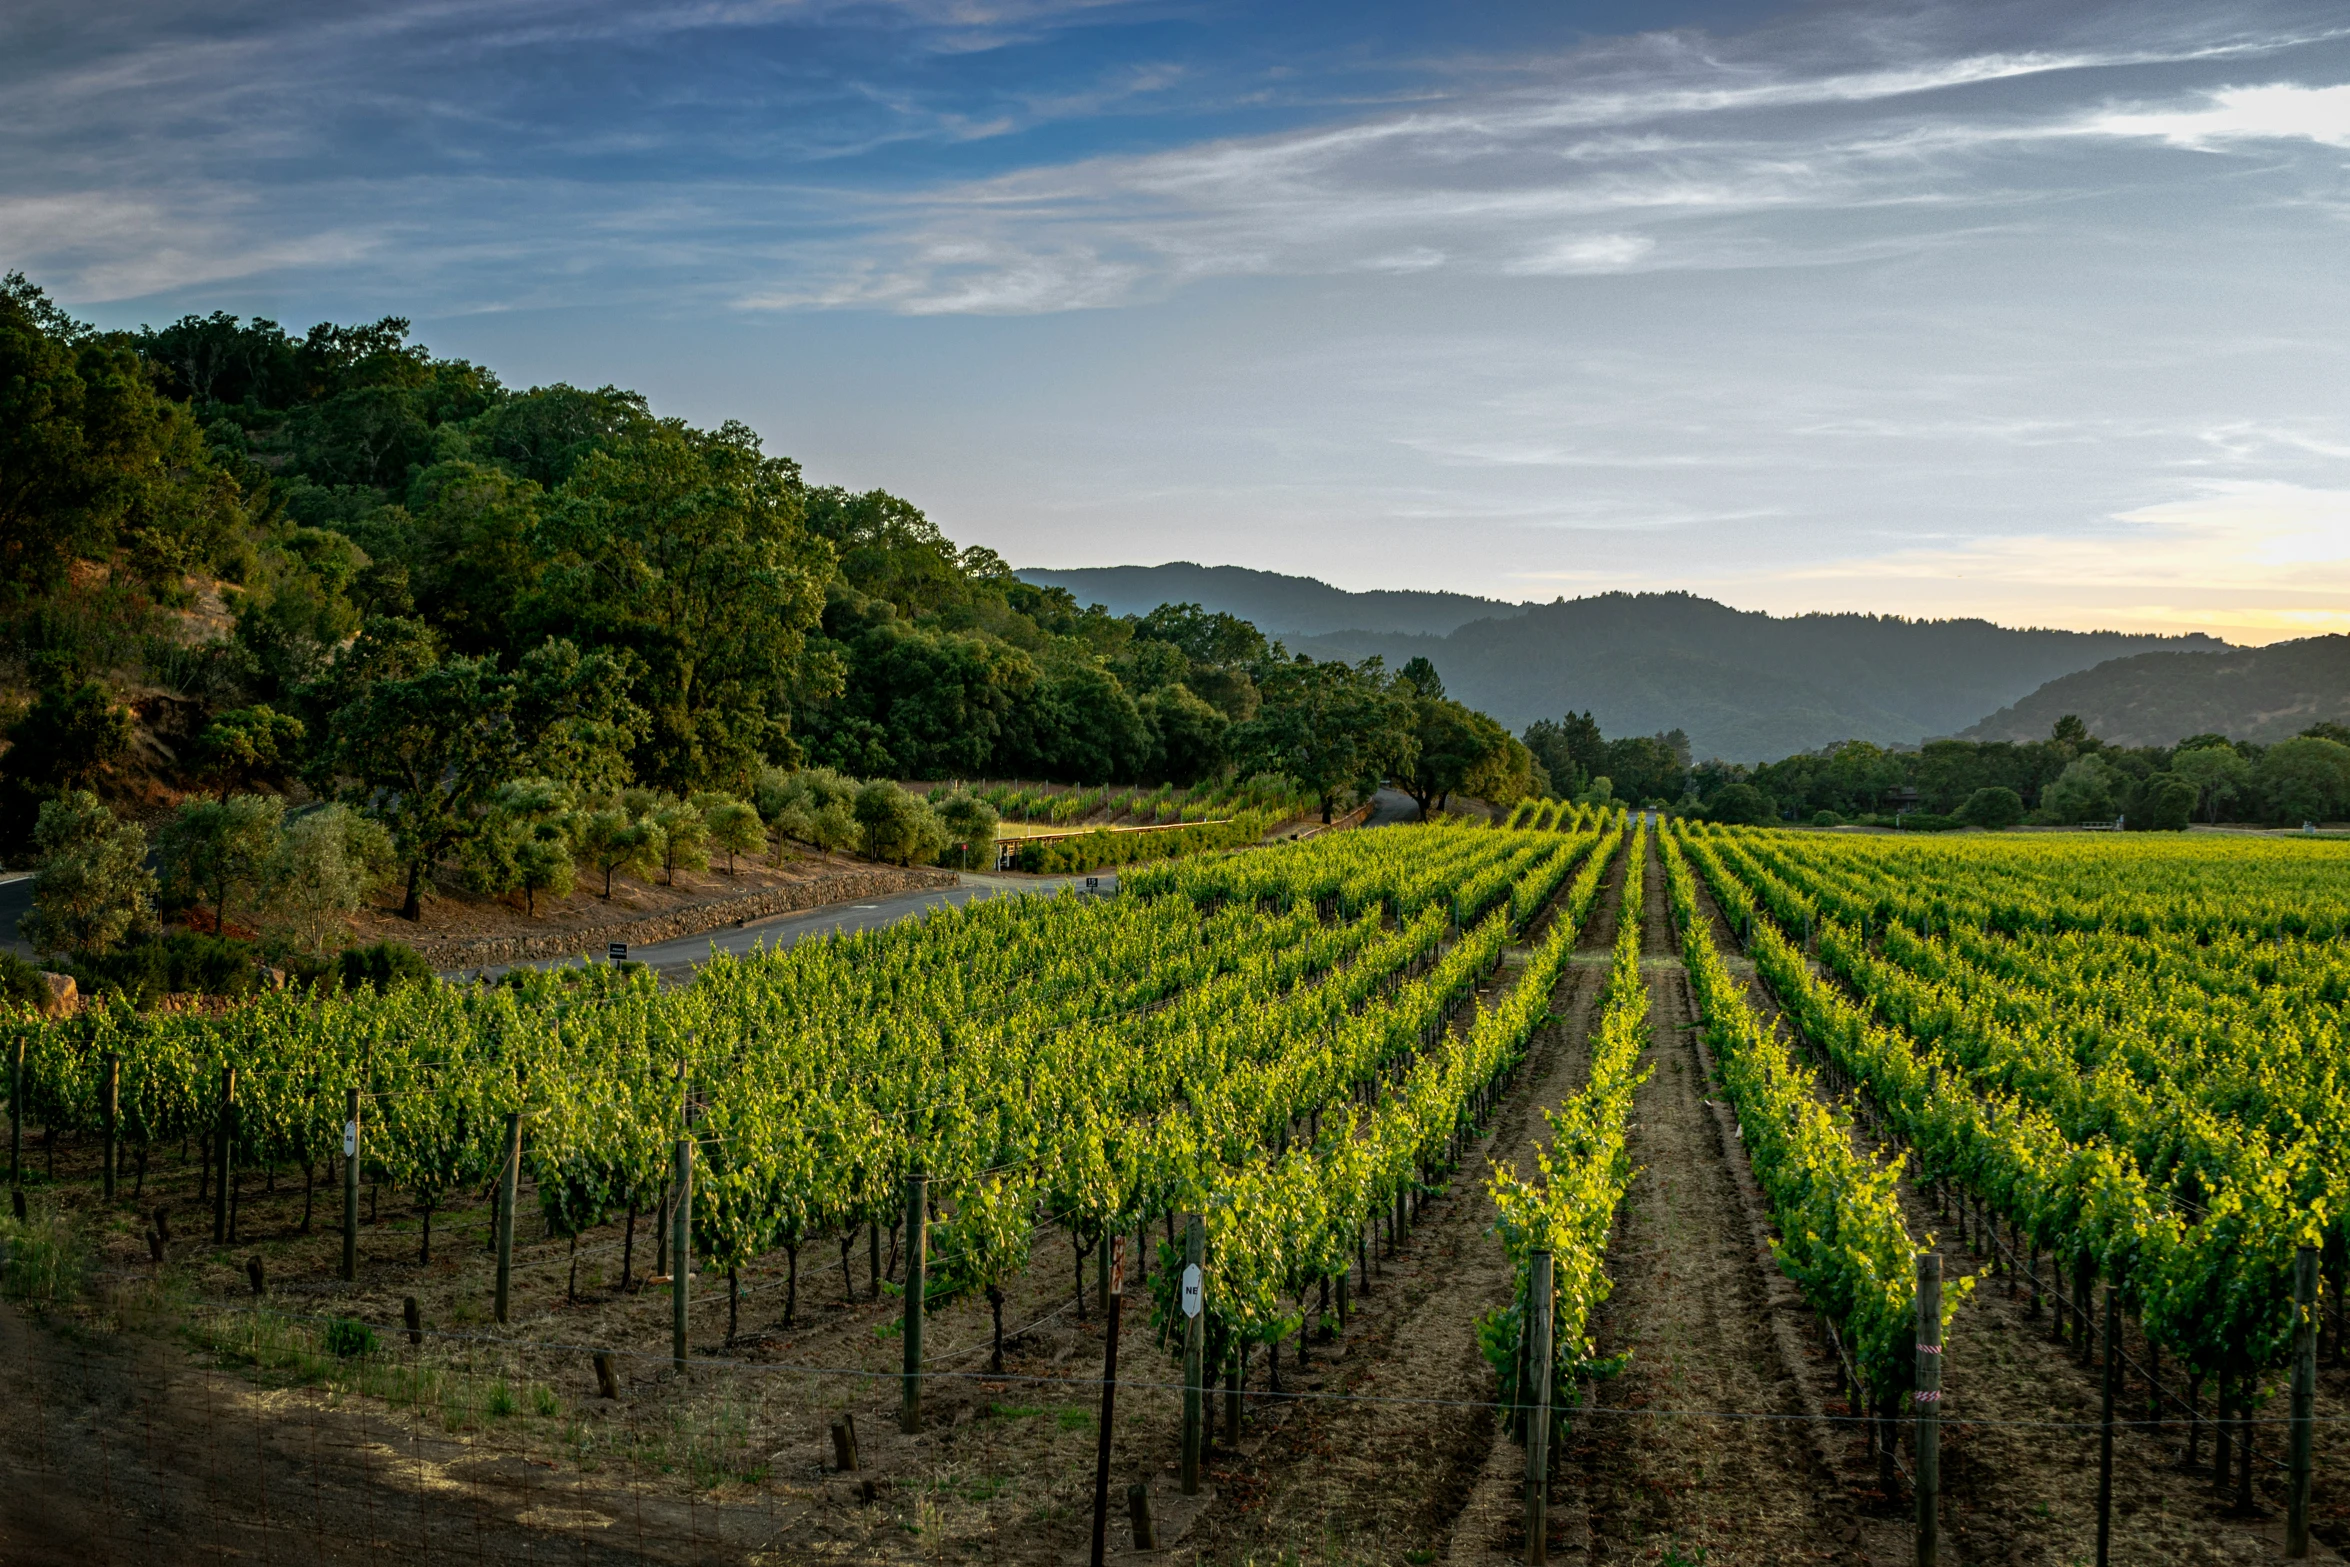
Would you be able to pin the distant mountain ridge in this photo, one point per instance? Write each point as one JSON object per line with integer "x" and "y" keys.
{"x": 1278, "y": 605}
{"x": 2259, "y": 693}
{"x": 1744, "y": 685}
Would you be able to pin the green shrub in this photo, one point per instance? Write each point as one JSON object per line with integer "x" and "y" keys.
{"x": 1826, "y": 819}
{"x": 387, "y": 966}
{"x": 45, "y": 1259}
{"x": 1742, "y": 804}
{"x": 21, "y": 982}
{"x": 93, "y": 890}
{"x": 184, "y": 962}
{"x": 1993, "y": 808}
{"x": 2162, "y": 803}
{"x": 1927, "y": 821}
{"x": 348, "y": 1336}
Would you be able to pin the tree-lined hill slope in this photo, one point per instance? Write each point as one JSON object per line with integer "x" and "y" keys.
{"x": 2262, "y": 693}
{"x": 1743, "y": 685}
{"x": 1279, "y": 605}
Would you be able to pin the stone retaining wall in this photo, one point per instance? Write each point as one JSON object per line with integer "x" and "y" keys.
{"x": 481, "y": 952}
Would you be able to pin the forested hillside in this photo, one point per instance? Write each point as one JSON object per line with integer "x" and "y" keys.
{"x": 1284, "y": 606}
{"x": 2261, "y": 694}
{"x": 336, "y": 566}
{"x": 1747, "y": 686}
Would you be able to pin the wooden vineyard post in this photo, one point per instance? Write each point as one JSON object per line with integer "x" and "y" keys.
{"x": 509, "y": 1178}
{"x": 110, "y": 1110}
{"x": 680, "y": 1251}
{"x": 1101, "y": 1457}
{"x": 225, "y": 1157}
{"x": 2304, "y": 1402}
{"x": 1929, "y": 1408}
{"x": 1191, "y": 1293}
{"x": 2084, "y": 1280}
{"x": 2113, "y": 1377}
{"x": 16, "y": 1118}
{"x": 917, "y": 1280}
{"x": 351, "y": 1186}
{"x": 1538, "y": 1368}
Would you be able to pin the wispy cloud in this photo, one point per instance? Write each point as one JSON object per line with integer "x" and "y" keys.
{"x": 2275, "y": 111}
{"x": 1591, "y": 171}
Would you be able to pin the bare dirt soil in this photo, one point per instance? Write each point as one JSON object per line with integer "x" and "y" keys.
{"x": 1693, "y": 1312}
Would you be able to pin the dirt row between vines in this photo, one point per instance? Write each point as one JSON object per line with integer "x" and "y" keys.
{"x": 1693, "y": 1311}
{"x": 1396, "y": 1445}
{"x": 2020, "y": 1486}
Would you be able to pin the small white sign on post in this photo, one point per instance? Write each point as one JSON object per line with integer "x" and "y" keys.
{"x": 1191, "y": 1289}
{"x": 350, "y": 1139}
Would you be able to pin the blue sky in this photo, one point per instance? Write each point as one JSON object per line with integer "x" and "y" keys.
{"x": 2029, "y": 311}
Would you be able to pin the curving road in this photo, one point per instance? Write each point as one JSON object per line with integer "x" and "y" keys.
{"x": 783, "y": 930}
{"x": 1389, "y": 808}
{"x": 16, "y": 901}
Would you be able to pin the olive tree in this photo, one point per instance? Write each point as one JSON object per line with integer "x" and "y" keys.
{"x": 321, "y": 870}
{"x": 215, "y": 850}
{"x": 897, "y": 825}
{"x": 610, "y": 839}
{"x": 733, "y": 824}
{"x": 969, "y": 821}
{"x": 93, "y": 890}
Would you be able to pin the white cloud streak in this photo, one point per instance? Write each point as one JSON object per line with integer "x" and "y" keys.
{"x": 1686, "y": 171}
{"x": 2276, "y": 111}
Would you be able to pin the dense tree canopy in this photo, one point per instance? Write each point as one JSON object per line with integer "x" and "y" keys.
{"x": 1329, "y": 726}
{"x": 239, "y": 556}
{"x": 2071, "y": 778}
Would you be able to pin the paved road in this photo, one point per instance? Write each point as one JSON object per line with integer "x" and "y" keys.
{"x": 783, "y": 930}
{"x": 16, "y": 901}
{"x": 1391, "y": 806}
